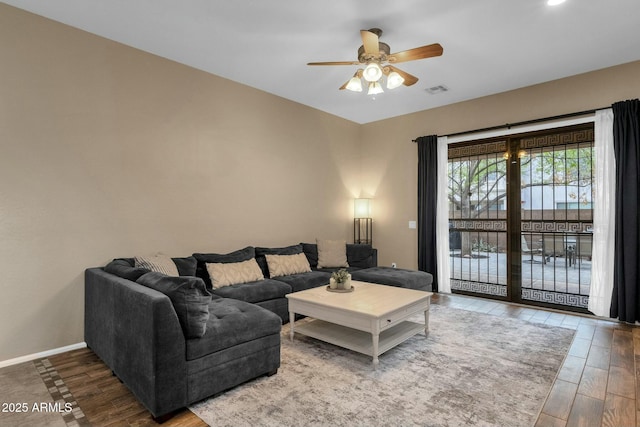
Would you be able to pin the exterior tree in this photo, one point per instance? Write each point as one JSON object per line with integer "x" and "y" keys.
{"x": 478, "y": 184}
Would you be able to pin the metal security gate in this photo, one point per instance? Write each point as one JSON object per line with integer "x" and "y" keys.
{"x": 478, "y": 218}
{"x": 521, "y": 215}
{"x": 556, "y": 181}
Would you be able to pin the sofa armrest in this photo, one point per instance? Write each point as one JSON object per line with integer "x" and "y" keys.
{"x": 136, "y": 332}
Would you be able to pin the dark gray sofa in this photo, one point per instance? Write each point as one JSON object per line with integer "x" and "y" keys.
{"x": 270, "y": 292}
{"x": 136, "y": 332}
{"x": 139, "y": 331}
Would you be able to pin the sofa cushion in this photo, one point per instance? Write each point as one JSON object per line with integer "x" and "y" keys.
{"x": 253, "y": 292}
{"x": 410, "y": 279}
{"x": 360, "y": 256}
{"x": 235, "y": 256}
{"x": 284, "y": 265}
{"x": 159, "y": 263}
{"x": 123, "y": 268}
{"x": 186, "y": 266}
{"x": 233, "y": 273}
{"x": 262, "y": 252}
{"x": 303, "y": 281}
{"x": 332, "y": 253}
{"x": 189, "y": 296}
{"x": 311, "y": 252}
{"x": 232, "y": 322}
{"x": 334, "y": 269}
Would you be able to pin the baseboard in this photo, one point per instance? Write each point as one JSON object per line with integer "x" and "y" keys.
{"x": 29, "y": 357}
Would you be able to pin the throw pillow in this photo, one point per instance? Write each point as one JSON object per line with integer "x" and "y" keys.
{"x": 159, "y": 263}
{"x": 284, "y": 265}
{"x": 236, "y": 256}
{"x": 332, "y": 253}
{"x": 234, "y": 273}
{"x": 190, "y": 299}
{"x": 261, "y": 252}
{"x": 121, "y": 268}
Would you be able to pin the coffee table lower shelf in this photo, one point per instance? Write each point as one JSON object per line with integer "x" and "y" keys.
{"x": 356, "y": 340}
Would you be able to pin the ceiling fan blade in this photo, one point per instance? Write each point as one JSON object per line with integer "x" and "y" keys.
{"x": 344, "y": 86}
{"x": 423, "y": 52}
{"x": 370, "y": 42}
{"x": 335, "y": 63}
{"x": 408, "y": 78}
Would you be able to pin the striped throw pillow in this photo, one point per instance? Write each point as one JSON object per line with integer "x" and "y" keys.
{"x": 159, "y": 263}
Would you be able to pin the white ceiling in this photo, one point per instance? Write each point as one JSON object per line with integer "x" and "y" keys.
{"x": 490, "y": 46}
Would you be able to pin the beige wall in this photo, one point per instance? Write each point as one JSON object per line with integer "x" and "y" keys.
{"x": 390, "y": 163}
{"x": 106, "y": 151}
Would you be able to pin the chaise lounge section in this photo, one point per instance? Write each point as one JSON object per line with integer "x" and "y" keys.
{"x": 399, "y": 277}
{"x": 136, "y": 331}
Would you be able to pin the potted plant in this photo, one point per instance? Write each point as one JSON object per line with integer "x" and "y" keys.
{"x": 340, "y": 279}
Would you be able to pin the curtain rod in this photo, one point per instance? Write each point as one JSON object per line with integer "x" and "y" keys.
{"x": 526, "y": 122}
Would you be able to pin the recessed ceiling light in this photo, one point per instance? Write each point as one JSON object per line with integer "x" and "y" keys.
{"x": 555, "y": 2}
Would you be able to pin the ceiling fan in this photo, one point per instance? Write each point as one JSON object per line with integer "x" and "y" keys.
{"x": 377, "y": 59}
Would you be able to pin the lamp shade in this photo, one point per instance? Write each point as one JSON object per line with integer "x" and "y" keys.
{"x": 362, "y": 208}
{"x": 374, "y": 88}
{"x": 355, "y": 84}
{"x": 394, "y": 80}
{"x": 372, "y": 72}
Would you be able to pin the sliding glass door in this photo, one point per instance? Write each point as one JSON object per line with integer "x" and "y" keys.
{"x": 520, "y": 217}
{"x": 478, "y": 218}
{"x": 556, "y": 181}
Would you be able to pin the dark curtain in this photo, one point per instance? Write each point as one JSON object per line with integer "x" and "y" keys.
{"x": 625, "y": 302}
{"x": 427, "y": 197}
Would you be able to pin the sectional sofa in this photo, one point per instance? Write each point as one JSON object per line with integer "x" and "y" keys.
{"x": 177, "y": 338}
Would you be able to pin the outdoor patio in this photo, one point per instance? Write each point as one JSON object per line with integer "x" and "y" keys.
{"x": 554, "y": 275}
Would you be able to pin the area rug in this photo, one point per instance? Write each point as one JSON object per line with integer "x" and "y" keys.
{"x": 473, "y": 369}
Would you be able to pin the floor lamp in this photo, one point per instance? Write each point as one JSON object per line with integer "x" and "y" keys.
{"x": 362, "y": 222}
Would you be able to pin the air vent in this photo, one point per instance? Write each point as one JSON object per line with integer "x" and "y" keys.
{"x": 437, "y": 89}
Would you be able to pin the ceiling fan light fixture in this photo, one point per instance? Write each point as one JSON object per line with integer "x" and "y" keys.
{"x": 372, "y": 72}
{"x": 355, "y": 84}
{"x": 394, "y": 80}
{"x": 374, "y": 88}
{"x": 377, "y": 59}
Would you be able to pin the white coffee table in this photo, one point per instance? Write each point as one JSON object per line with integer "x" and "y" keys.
{"x": 370, "y": 320}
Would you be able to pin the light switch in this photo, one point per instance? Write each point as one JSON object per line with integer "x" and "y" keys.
{"x": 412, "y": 224}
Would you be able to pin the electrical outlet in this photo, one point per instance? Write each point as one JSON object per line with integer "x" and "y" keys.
{"x": 412, "y": 224}
{"x": 393, "y": 265}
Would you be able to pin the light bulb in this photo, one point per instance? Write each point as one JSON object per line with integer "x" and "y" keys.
{"x": 372, "y": 72}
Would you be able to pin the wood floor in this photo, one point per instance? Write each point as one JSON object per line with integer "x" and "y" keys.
{"x": 595, "y": 387}
{"x": 104, "y": 400}
{"x": 597, "y": 384}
